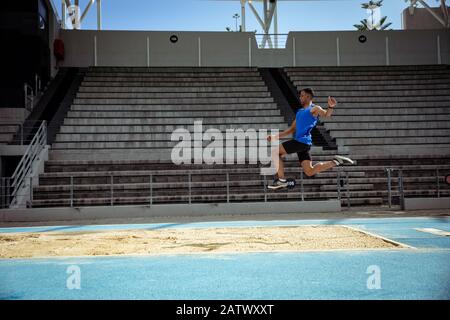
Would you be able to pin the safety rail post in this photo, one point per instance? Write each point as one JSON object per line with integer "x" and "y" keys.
{"x": 348, "y": 188}
{"x": 8, "y": 195}
{"x": 71, "y": 191}
{"x": 301, "y": 185}
{"x": 438, "y": 186}
{"x": 28, "y": 98}
{"x": 21, "y": 134}
{"x": 31, "y": 192}
{"x": 2, "y": 192}
{"x": 228, "y": 187}
{"x": 112, "y": 190}
{"x": 189, "y": 185}
{"x": 389, "y": 182}
{"x": 338, "y": 182}
{"x": 265, "y": 188}
{"x": 401, "y": 190}
{"x": 151, "y": 189}
{"x": 37, "y": 84}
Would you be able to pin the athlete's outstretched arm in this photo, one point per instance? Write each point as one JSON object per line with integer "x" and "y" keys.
{"x": 285, "y": 133}
{"x": 319, "y": 111}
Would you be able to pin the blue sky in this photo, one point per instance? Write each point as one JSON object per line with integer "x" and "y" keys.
{"x": 216, "y": 15}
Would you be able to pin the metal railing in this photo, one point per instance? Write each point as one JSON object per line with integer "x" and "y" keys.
{"x": 25, "y": 165}
{"x": 428, "y": 179}
{"x": 271, "y": 41}
{"x": 112, "y": 190}
{"x": 341, "y": 180}
{"x": 37, "y": 84}
{"x": 28, "y": 97}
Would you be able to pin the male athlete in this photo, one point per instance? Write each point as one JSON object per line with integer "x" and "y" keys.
{"x": 305, "y": 121}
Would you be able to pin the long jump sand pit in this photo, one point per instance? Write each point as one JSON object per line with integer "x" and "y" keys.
{"x": 188, "y": 240}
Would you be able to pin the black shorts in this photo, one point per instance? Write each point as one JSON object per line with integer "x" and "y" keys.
{"x": 302, "y": 149}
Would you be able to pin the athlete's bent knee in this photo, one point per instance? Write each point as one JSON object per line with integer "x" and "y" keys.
{"x": 309, "y": 172}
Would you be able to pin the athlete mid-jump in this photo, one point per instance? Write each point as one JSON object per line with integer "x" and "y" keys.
{"x": 305, "y": 121}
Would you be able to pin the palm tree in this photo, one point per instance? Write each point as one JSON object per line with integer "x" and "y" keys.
{"x": 371, "y": 25}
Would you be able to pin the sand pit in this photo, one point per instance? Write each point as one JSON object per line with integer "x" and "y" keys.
{"x": 182, "y": 241}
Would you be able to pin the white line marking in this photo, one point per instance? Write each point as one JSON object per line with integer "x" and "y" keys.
{"x": 434, "y": 231}
{"x": 381, "y": 237}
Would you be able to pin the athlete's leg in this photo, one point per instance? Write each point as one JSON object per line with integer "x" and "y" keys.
{"x": 311, "y": 170}
{"x": 280, "y": 153}
{"x": 280, "y": 182}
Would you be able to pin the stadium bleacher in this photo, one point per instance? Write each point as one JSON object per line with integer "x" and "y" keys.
{"x": 117, "y": 133}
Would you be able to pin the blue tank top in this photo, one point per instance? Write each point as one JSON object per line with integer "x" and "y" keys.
{"x": 305, "y": 122}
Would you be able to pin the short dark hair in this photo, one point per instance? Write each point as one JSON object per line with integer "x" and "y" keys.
{"x": 308, "y": 90}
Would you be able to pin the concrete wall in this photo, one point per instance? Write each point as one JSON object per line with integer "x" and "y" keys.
{"x": 129, "y": 48}
{"x": 427, "y": 203}
{"x": 197, "y": 209}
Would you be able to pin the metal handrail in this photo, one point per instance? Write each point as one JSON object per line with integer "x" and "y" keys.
{"x": 37, "y": 84}
{"x": 110, "y": 183}
{"x": 26, "y": 163}
{"x": 29, "y": 99}
{"x": 400, "y": 184}
{"x": 271, "y": 40}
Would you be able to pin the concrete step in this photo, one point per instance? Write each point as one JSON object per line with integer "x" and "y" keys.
{"x": 377, "y": 87}
{"x": 171, "y": 114}
{"x": 133, "y": 154}
{"x": 178, "y": 108}
{"x": 406, "y": 168}
{"x": 172, "y": 69}
{"x": 152, "y": 145}
{"x": 170, "y": 75}
{"x": 204, "y": 100}
{"x": 238, "y": 82}
{"x": 392, "y": 140}
{"x": 171, "y": 95}
{"x": 151, "y": 137}
{"x": 362, "y": 202}
{"x": 390, "y": 133}
{"x": 368, "y": 98}
{"x": 60, "y": 168}
{"x": 394, "y": 125}
{"x": 149, "y": 89}
{"x": 413, "y": 149}
{"x": 172, "y": 121}
{"x": 359, "y": 73}
{"x": 382, "y": 93}
{"x": 5, "y": 137}
{"x": 343, "y": 110}
{"x": 173, "y": 79}
{"x": 386, "y": 118}
{"x": 352, "y": 186}
{"x": 402, "y": 158}
{"x": 208, "y": 173}
{"x": 369, "y": 74}
{"x": 173, "y": 199}
{"x": 8, "y": 128}
{"x": 391, "y": 104}
{"x": 370, "y": 68}
{"x": 147, "y": 129}
{"x": 392, "y": 83}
